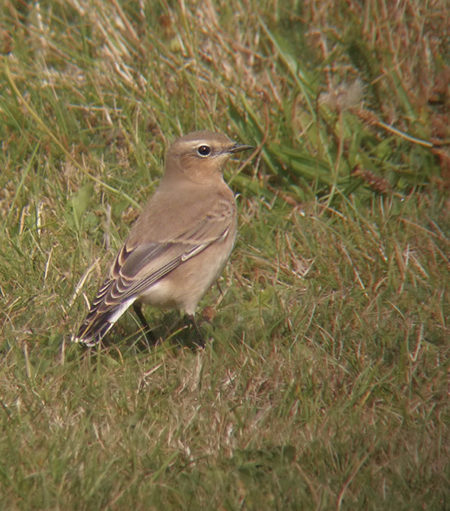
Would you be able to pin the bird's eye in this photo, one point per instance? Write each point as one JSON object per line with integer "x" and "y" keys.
{"x": 204, "y": 150}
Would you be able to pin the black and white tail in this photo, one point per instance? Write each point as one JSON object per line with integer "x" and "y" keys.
{"x": 103, "y": 314}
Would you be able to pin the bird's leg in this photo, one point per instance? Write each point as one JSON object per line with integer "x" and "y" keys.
{"x": 137, "y": 307}
{"x": 200, "y": 341}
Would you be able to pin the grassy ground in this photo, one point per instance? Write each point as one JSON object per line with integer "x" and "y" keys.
{"x": 323, "y": 385}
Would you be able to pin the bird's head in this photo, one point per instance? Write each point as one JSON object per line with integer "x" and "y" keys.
{"x": 200, "y": 155}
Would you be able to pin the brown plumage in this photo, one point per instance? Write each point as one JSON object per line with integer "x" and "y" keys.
{"x": 180, "y": 243}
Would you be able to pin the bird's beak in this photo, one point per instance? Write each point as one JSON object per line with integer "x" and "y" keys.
{"x": 237, "y": 148}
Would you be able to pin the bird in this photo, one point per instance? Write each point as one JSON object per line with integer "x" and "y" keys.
{"x": 180, "y": 243}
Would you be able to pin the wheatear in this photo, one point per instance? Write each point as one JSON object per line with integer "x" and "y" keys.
{"x": 180, "y": 243}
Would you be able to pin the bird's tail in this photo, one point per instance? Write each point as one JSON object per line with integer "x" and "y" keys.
{"x": 99, "y": 321}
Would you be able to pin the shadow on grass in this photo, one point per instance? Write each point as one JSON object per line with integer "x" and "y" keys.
{"x": 172, "y": 332}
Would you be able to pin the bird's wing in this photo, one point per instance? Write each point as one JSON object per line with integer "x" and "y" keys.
{"x": 139, "y": 266}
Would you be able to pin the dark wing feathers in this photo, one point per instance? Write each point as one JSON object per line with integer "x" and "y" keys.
{"x": 136, "y": 268}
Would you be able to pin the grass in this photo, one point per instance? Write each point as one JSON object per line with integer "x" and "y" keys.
{"x": 324, "y": 382}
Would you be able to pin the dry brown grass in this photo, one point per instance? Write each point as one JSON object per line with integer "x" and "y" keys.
{"x": 324, "y": 383}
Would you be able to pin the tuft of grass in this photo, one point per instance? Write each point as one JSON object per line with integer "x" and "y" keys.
{"x": 324, "y": 383}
